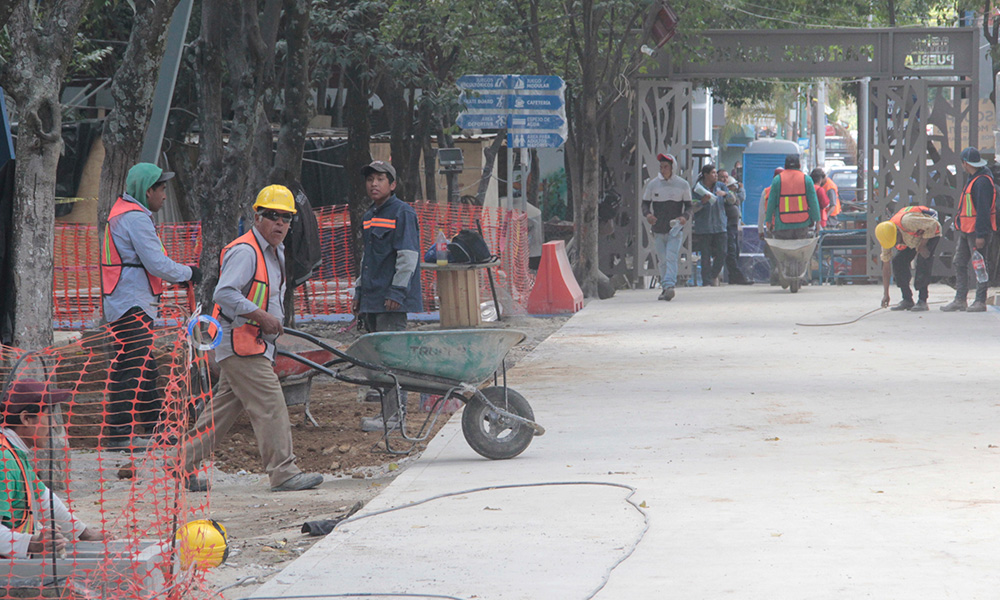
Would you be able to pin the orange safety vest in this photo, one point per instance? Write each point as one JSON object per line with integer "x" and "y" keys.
{"x": 828, "y": 185}
{"x": 966, "y": 213}
{"x": 897, "y": 220}
{"x": 793, "y": 207}
{"x": 111, "y": 261}
{"x": 247, "y": 340}
{"x": 27, "y": 522}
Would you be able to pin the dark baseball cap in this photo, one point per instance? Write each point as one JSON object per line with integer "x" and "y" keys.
{"x": 667, "y": 157}
{"x": 30, "y": 392}
{"x": 164, "y": 176}
{"x": 971, "y": 157}
{"x": 379, "y": 166}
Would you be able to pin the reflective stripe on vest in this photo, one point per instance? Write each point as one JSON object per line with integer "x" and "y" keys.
{"x": 26, "y": 524}
{"x": 835, "y": 205}
{"x": 111, "y": 261}
{"x": 793, "y": 207}
{"x": 246, "y": 339}
{"x": 897, "y": 220}
{"x": 380, "y": 222}
{"x": 966, "y": 213}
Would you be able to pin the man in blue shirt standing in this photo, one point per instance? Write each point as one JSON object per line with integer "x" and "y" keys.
{"x": 389, "y": 284}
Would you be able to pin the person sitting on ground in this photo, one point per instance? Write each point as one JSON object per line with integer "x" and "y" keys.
{"x": 25, "y": 510}
{"x": 914, "y": 231}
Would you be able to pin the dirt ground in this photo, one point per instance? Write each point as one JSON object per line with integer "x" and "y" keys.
{"x": 264, "y": 527}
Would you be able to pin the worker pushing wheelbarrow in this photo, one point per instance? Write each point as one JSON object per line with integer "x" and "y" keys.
{"x": 793, "y": 209}
{"x": 497, "y": 422}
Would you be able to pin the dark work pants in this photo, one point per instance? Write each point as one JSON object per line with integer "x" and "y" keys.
{"x": 134, "y": 399}
{"x": 733, "y": 245}
{"x": 963, "y": 255}
{"x": 922, "y": 272}
{"x": 712, "y": 247}
{"x": 387, "y": 321}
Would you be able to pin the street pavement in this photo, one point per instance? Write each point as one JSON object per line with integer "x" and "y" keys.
{"x": 770, "y": 460}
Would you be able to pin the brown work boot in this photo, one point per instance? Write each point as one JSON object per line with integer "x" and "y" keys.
{"x": 977, "y": 306}
{"x": 955, "y": 306}
{"x": 904, "y": 304}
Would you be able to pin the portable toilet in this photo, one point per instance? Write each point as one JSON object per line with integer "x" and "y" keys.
{"x": 760, "y": 159}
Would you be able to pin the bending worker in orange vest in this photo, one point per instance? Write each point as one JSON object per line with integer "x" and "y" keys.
{"x": 792, "y": 206}
{"x": 134, "y": 266}
{"x": 975, "y": 220}
{"x": 248, "y": 304}
{"x": 914, "y": 231}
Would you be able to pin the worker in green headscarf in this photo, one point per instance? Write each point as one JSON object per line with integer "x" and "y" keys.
{"x": 134, "y": 266}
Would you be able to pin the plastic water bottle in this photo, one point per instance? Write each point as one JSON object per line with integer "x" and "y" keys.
{"x": 980, "y": 266}
{"x": 441, "y": 249}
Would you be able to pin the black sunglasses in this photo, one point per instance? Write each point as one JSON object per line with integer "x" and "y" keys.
{"x": 273, "y": 215}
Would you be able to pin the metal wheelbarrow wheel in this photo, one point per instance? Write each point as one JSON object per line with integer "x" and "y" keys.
{"x": 493, "y": 435}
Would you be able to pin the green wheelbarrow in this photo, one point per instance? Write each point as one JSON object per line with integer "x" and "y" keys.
{"x": 497, "y": 421}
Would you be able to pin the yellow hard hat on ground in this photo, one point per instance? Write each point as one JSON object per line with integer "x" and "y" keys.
{"x": 885, "y": 232}
{"x": 275, "y": 197}
{"x": 202, "y": 544}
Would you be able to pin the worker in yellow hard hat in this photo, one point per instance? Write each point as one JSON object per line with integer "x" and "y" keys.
{"x": 248, "y": 305}
{"x": 914, "y": 231}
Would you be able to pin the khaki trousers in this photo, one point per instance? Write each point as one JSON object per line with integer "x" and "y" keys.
{"x": 250, "y": 384}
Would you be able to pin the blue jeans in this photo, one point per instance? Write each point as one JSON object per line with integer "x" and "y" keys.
{"x": 668, "y": 249}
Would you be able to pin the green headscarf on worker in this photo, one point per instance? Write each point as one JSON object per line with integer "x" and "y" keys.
{"x": 140, "y": 178}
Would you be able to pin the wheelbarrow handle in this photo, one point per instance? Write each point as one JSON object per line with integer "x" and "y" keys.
{"x": 339, "y": 354}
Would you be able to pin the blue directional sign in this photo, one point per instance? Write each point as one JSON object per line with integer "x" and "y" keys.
{"x": 536, "y": 82}
{"x": 496, "y": 102}
{"x": 539, "y": 102}
{"x": 519, "y": 121}
{"x": 482, "y": 121}
{"x": 484, "y": 82}
{"x": 534, "y": 140}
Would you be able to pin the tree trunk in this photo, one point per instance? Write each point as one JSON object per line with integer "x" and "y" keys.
{"x": 359, "y": 154}
{"x": 222, "y": 182}
{"x": 297, "y": 112}
{"x": 585, "y": 203}
{"x": 489, "y": 159}
{"x": 132, "y": 89}
{"x": 398, "y": 113}
{"x": 42, "y": 42}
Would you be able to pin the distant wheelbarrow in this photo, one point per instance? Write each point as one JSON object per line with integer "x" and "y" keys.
{"x": 497, "y": 422}
{"x": 792, "y": 259}
{"x": 296, "y": 377}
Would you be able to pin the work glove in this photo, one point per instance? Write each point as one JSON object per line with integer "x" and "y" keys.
{"x": 195, "y": 275}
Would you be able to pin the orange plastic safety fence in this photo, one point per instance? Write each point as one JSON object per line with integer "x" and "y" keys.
{"x": 77, "y": 291}
{"x": 96, "y": 430}
{"x": 77, "y": 275}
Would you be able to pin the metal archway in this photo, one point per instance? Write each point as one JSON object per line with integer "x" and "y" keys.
{"x": 922, "y": 110}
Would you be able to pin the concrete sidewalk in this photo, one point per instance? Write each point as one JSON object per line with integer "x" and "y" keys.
{"x": 772, "y": 460}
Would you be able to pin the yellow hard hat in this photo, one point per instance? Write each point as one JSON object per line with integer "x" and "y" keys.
{"x": 275, "y": 197}
{"x": 885, "y": 232}
{"x": 203, "y": 544}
